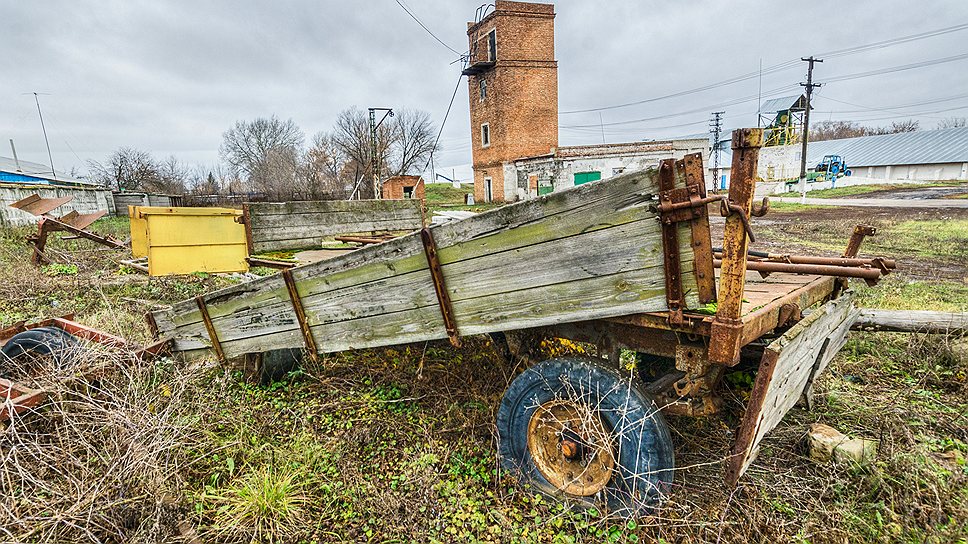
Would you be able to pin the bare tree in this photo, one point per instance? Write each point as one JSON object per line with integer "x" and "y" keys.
{"x": 414, "y": 142}
{"x": 835, "y": 130}
{"x": 953, "y": 122}
{"x": 909, "y": 125}
{"x": 265, "y": 152}
{"x": 352, "y": 136}
{"x": 404, "y": 143}
{"x": 173, "y": 176}
{"x": 127, "y": 169}
{"x": 324, "y": 169}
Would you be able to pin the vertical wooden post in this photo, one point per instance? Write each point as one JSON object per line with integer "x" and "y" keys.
{"x": 727, "y": 327}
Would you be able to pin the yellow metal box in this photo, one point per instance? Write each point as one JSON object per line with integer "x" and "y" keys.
{"x": 187, "y": 240}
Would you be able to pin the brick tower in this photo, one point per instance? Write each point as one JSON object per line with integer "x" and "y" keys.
{"x": 513, "y": 89}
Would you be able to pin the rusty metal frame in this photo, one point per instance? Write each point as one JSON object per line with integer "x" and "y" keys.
{"x": 20, "y": 398}
{"x": 47, "y": 225}
{"x": 669, "y": 218}
{"x": 727, "y": 327}
{"x": 36, "y": 205}
{"x": 300, "y": 312}
{"x": 440, "y": 287}
{"x": 210, "y": 327}
{"x": 701, "y": 238}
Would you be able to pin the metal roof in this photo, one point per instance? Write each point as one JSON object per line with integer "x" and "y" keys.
{"x": 922, "y": 147}
{"x": 941, "y": 146}
{"x": 783, "y": 103}
{"x": 37, "y": 170}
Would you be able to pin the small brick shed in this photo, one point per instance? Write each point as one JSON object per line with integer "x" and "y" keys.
{"x": 399, "y": 187}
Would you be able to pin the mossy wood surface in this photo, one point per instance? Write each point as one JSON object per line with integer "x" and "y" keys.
{"x": 277, "y": 226}
{"x": 591, "y": 252}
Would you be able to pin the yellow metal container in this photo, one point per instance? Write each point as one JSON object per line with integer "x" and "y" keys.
{"x": 139, "y": 233}
{"x": 187, "y": 240}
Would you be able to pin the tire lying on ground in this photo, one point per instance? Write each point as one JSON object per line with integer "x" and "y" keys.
{"x": 22, "y": 350}
{"x": 583, "y": 432}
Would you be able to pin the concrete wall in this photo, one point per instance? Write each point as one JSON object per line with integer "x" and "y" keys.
{"x": 123, "y": 200}
{"x": 524, "y": 177}
{"x": 85, "y": 201}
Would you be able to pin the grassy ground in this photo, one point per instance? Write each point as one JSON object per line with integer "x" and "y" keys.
{"x": 853, "y": 190}
{"x": 444, "y": 197}
{"x": 397, "y": 445}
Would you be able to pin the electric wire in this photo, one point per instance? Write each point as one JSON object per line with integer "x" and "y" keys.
{"x": 784, "y": 66}
{"x": 423, "y": 26}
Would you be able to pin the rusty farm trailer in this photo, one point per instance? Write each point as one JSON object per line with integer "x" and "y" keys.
{"x": 624, "y": 263}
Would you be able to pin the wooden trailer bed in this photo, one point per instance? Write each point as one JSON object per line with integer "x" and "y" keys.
{"x": 621, "y": 263}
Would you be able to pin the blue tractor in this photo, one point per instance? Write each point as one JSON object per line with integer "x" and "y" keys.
{"x": 832, "y": 167}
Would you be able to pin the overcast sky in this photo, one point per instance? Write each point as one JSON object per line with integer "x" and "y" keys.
{"x": 171, "y": 76}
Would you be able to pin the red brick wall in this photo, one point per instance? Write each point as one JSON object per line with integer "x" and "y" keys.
{"x": 521, "y": 107}
{"x": 393, "y": 187}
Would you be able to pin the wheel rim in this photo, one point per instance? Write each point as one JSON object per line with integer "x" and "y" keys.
{"x": 571, "y": 447}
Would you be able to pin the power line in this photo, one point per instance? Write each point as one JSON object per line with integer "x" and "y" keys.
{"x": 677, "y": 114}
{"x": 444, "y": 122}
{"x": 423, "y": 26}
{"x": 782, "y": 66}
{"x": 901, "y": 68}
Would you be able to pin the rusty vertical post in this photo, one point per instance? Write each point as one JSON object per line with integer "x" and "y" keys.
{"x": 727, "y": 327}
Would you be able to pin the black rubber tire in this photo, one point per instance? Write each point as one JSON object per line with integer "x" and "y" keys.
{"x": 41, "y": 341}
{"x": 644, "y": 460}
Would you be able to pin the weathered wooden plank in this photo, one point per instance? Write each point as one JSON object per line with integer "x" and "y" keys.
{"x": 328, "y": 206}
{"x": 412, "y": 215}
{"x": 560, "y": 215}
{"x": 788, "y": 366}
{"x": 292, "y": 225}
{"x": 635, "y": 276}
{"x": 590, "y": 252}
{"x": 923, "y": 321}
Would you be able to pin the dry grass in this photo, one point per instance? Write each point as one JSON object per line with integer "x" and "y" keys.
{"x": 398, "y": 444}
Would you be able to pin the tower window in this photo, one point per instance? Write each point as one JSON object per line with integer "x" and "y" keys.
{"x": 485, "y": 135}
{"x": 483, "y": 86}
{"x": 492, "y": 45}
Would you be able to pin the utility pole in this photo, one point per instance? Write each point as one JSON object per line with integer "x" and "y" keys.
{"x": 809, "y": 86}
{"x": 44, "y": 128}
{"x": 374, "y": 160}
{"x": 716, "y": 128}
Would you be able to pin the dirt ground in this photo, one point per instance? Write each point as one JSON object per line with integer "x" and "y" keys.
{"x": 398, "y": 444}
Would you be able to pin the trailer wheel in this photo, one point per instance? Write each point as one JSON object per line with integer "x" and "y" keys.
{"x": 16, "y": 354}
{"x": 580, "y": 431}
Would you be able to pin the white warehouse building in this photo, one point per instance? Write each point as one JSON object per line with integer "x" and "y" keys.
{"x": 928, "y": 155}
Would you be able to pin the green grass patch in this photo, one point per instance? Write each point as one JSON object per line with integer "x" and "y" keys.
{"x": 933, "y": 238}
{"x": 853, "y": 190}
{"x": 895, "y": 292}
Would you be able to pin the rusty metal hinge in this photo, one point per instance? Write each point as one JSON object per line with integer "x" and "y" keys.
{"x": 443, "y": 298}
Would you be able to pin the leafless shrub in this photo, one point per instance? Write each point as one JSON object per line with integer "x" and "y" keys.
{"x": 103, "y": 460}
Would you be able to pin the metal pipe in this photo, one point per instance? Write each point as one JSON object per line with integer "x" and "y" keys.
{"x": 822, "y": 270}
{"x": 878, "y": 262}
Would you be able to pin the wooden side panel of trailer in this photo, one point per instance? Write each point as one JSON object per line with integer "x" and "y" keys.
{"x": 590, "y": 252}
{"x": 275, "y": 226}
{"x": 789, "y": 365}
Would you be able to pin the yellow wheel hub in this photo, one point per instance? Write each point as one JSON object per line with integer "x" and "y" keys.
{"x": 571, "y": 447}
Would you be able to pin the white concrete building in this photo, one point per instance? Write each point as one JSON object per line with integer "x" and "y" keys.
{"x": 928, "y": 155}
{"x": 574, "y": 165}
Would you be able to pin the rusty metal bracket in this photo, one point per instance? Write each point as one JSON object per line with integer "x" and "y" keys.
{"x": 677, "y": 210}
{"x": 691, "y": 169}
{"x": 210, "y": 327}
{"x": 853, "y": 248}
{"x": 443, "y": 299}
{"x": 300, "y": 312}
